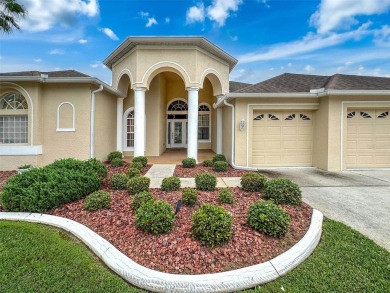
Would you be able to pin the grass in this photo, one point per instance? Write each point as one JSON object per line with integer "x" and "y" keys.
{"x": 37, "y": 258}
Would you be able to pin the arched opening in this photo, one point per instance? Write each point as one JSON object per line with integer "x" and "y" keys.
{"x": 66, "y": 117}
{"x": 177, "y": 123}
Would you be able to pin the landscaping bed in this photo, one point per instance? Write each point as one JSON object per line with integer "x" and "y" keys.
{"x": 182, "y": 172}
{"x": 4, "y": 175}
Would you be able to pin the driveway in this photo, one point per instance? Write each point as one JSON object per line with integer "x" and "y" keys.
{"x": 360, "y": 199}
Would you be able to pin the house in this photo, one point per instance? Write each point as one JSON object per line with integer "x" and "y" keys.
{"x": 174, "y": 92}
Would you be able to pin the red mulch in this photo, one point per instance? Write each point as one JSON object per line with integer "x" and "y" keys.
{"x": 4, "y": 175}
{"x": 192, "y": 172}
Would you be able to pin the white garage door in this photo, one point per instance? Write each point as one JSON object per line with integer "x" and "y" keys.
{"x": 282, "y": 139}
{"x": 368, "y": 139}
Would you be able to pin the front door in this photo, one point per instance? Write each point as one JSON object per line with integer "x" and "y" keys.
{"x": 177, "y": 133}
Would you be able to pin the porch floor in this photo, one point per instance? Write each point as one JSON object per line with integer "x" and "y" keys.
{"x": 175, "y": 156}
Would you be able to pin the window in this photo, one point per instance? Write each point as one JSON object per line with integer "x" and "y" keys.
{"x": 130, "y": 129}
{"x": 259, "y": 117}
{"x": 13, "y": 119}
{"x": 204, "y": 122}
{"x": 66, "y": 117}
{"x": 178, "y": 105}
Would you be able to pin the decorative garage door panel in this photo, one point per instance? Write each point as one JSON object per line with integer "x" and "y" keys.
{"x": 282, "y": 139}
{"x": 368, "y": 139}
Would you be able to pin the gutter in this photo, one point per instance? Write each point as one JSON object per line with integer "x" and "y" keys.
{"x": 92, "y": 123}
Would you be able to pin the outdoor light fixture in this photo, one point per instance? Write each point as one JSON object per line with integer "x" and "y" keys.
{"x": 242, "y": 124}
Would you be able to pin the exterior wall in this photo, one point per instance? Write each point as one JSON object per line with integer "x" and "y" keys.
{"x": 227, "y": 133}
{"x": 162, "y": 114}
{"x": 321, "y": 135}
{"x": 9, "y": 163}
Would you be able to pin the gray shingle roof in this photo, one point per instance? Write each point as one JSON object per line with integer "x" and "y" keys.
{"x": 235, "y": 85}
{"x": 62, "y": 73}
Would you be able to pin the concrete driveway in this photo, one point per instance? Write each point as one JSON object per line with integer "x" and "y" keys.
{"x": 360, "y": 199}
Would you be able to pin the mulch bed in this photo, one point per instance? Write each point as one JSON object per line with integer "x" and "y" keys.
{"x": 4, "y": 175}
{"x": 182, "y": 172}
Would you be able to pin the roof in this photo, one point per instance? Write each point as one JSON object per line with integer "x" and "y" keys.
{"x": 131, "y": 42}
{"x": 303, "y": 83}
{"x": 235, "y": 85}
{"x": 62, "y": 73}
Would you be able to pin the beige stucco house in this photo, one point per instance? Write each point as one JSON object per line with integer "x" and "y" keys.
{"x": 174, "y": 92}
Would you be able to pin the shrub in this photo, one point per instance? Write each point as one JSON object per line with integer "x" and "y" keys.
{"x": 141, "y": 159}
{"x": 205, "y": 181}
{"x": 92, "y": 165}
{"x": 117, "y": 162}
{"x": 207, "y": 163}
{"x": 97, "y": 200}
{"x": 212, "y": 225}
{"x": 133, "y": 172}
{"x": 28, "y": 166}
{"x": 138, "y": 184}
{"x": 96, "y": 166}
{"x": 114, "y": 155}
{"x": 253, "y": 182}
{"x": 220, "y": 166}
{"x": 141, "y": 198}
{"x": 189, "y": 196}
{"x": 155, "y": 217}
{"x": 170, "y": 184}
{"x": 226, "y": 196}
{"x": 137, "y": 165}
{"x": 189, "y": 163}
{"x": 119, "y": 181}
{"x": 283, "y": 191}
{"x": 219, "y": 158}
{"x": 267, "y": 218}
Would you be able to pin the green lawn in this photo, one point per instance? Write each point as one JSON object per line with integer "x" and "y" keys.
{"x": 37, "y": 258}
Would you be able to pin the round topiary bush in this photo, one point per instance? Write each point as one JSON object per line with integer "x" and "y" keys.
{"x": 226, "y": 196}
{"x": 138, "y": 184}
{"x": 267, "y": 218}
{"x": 137, "y": 165}
{"x": 133, "y": 172}
{"x": 219, "y": 158}
{"x": 141, "y": 198}
{"x": 119, "y": 181}
{"x": 189, "y": 163}
{"x": 117, "y": 162}
{"x": 220, "y": 166}
{"x": 155, "y": 217}
{"x": 253, "y": 182}
{"x": 97, "y": 200}
{"x": 205, "y": 182}
{"x": 170, "y": 184}
{"x": 212, "y": 225}
{"x": 283, "y": 191}
{"x": 207, "y": 163}
{"x": 114, "y": 155}
{"x": 189, "y": 196}
{"x": 141, "y": 159}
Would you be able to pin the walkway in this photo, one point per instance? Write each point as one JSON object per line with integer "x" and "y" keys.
{"x": 175, "y": 156}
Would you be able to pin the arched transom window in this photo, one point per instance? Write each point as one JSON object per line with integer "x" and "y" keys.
{"x": 13, "y": 101}
{"x": 178, "y": 105}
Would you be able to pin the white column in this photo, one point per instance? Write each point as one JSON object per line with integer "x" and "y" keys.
{"x": 219, "y": 130}
{"x": 192, "y": 148}
{"x": 119, "y": 124}
{"x": 139, "y": 121}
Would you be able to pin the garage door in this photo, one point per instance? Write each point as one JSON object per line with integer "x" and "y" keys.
{"x": 368, "y": 139}
{"x": 282, "y": 139}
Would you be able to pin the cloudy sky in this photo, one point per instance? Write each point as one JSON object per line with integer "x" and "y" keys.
{"x": 268, "y": 37}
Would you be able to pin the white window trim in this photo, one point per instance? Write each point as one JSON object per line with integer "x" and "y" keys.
{"x": 124, "y": 134}
{"x": 21, "y": 150}
{"x": 210, "y": 122}
{"x": 59, "y": 129}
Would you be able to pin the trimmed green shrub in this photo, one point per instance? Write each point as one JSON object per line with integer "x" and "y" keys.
{"x": 114, "y": 155}
{"x": 283, "y": 191}
{"x": 267, "y": 218}
{"x": 219, "y": 158}
{"x": 96, "y": 166}
{"x": 117, "y": 162}
{"x": 189, "y": 163}
{"x": 133, "y": 172}
{"x": 207, "y": 163}
{"x": 138, "y": 184}
{"x": 141, "y": 159}
{"x": 226, "y": 196}
{"x": 189, "y": 196}
{"x": 170, "y": 183}
{"x": 141, "y": 198}
{"x": 97, "y": 200}
{"x": 205, "y": 182}
{"x": 155, "y": 217}
{"x": 220, "y": 166}
{"x": 253, "y": 182}
{"x": 137, "y": 165}
{"x": 212, "y": 225}
{"x": 119, "y": 181}
{"x": 93, "y": 165}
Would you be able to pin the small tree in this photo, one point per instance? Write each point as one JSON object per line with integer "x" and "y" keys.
{"x": 10, "y": 11}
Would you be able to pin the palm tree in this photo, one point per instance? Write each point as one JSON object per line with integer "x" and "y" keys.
{"x": 10, "y": 11}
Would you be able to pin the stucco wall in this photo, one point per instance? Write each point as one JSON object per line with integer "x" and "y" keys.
{"x": 227, "y": 133}
{"x": 321, "y": 134}
{"x": 9, "y": 163}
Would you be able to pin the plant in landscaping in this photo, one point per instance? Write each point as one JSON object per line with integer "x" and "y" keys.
{"x": 117, "y": 162}
{"x": 283, "y": 191}
{"x": 253, "y": 182}
{"x": 220, "y": 166}
{"x": 189, "y": 196}
{"x": 96, "y": 166}
{"x": 97, "y": 200}
{"x": 212, "y": 225}
{"x": 155, "y": 217}
{"x": 225, "y": 196}
{"x": 137, "y": 165}
{"x": 170, "y": 183}
{"x": 189, "y": 163}
{"x": 141, "y": 159}
{"x": 141, "y": 198}
{"x": 28, "y": 166}
{"x": 114, "y": 155}
{"x": 133, "y": 172}
{"x": 138, "y": 184}
{"x": 119, "y": 181}
{"x": 93, "y": 165}
{"x": 267, "y": 218}
{"x": 205, "y": 182}
{"x": 219, "y": 158}
{"x": 207, "y": 163}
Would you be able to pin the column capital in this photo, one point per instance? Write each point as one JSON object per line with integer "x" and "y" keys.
{"x": 192, "y": 88}
{"x": 121, "y": 98}
{"x": 139, "y": 89}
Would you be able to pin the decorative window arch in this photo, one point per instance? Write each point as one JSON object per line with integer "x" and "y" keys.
{"x": 178, "y": 105}
{"x": 66, "y": 117}
{"x": 128, "y": 122}
{"x": 204, "y": 122}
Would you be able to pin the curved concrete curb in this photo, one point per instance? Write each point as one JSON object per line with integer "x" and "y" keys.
{"x": 162, "y": 282}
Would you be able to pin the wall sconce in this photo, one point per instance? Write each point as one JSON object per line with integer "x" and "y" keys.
{"x": 242, "y": 124}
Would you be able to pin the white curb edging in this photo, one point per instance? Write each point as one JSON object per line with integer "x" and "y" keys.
{"x": 163, "y": 282}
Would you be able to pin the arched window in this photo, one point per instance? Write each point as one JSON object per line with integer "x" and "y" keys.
{"x": 13, "y": 119}
{"x": 66, "y": 117}
{"x": 130, "y": 129}
{"x": 204, "y": 120}
{"x": 178, "y": 105}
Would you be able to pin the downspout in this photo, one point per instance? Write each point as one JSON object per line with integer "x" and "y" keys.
{"x": 92, "y": 123}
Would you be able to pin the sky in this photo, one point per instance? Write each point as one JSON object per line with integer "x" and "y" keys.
{"x": 268, "y": 37}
